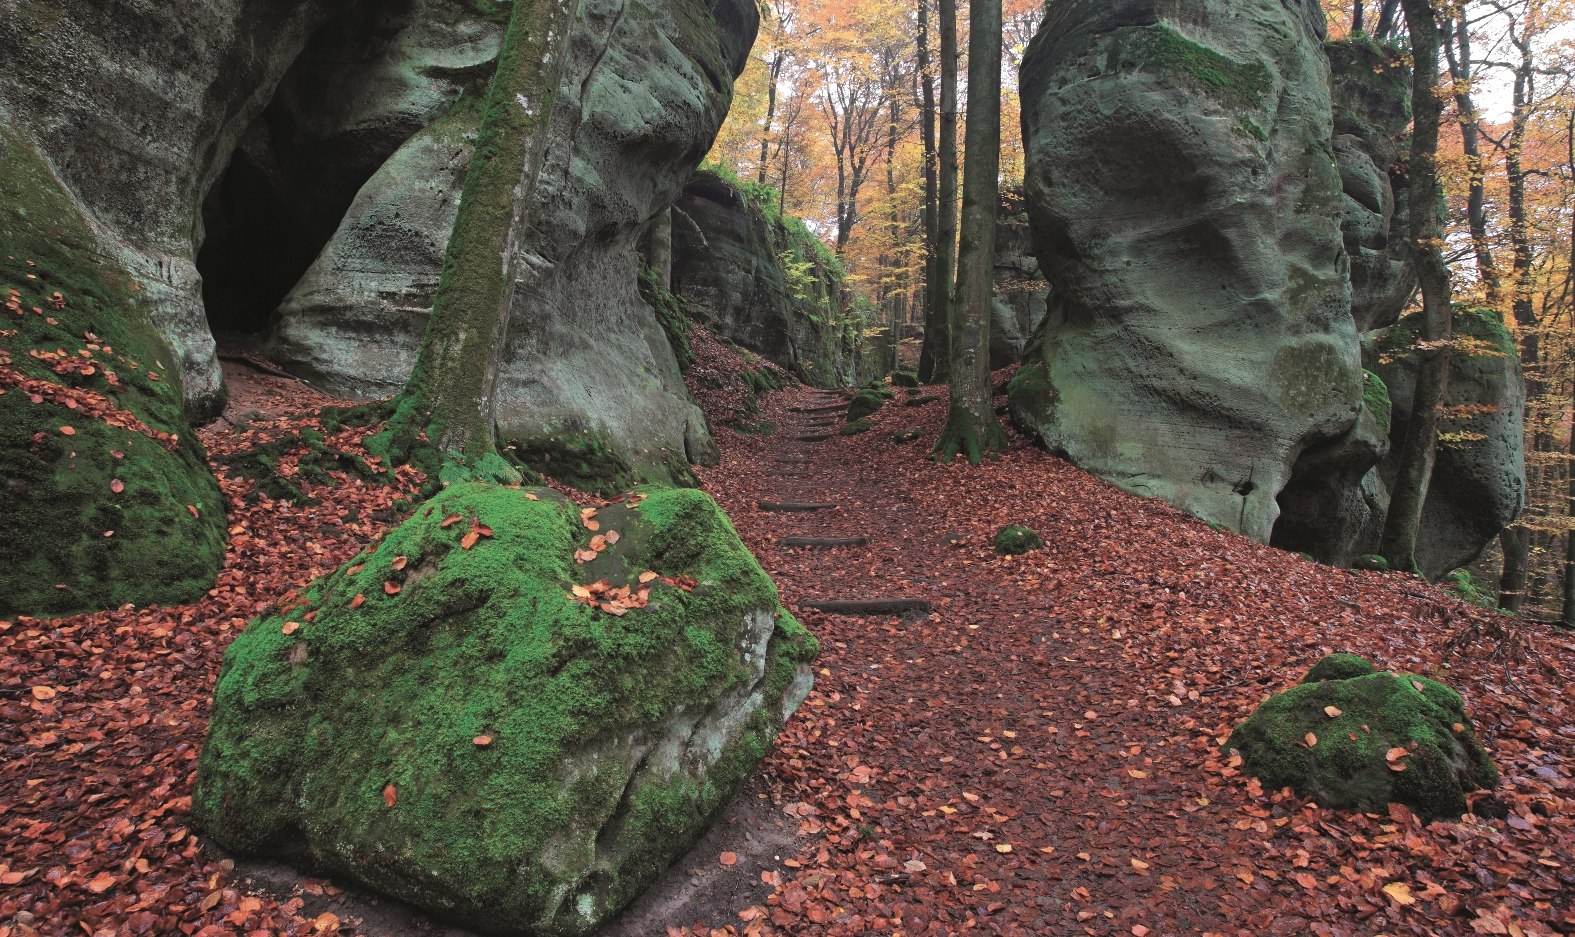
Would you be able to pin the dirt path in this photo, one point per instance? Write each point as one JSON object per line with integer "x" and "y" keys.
{"x": 1039, "y": 753}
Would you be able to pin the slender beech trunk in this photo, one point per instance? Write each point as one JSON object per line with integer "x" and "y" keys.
{"x": 946, "y": 203}
{"x": 1387, "y": 24}
{"x": 1461, "y": 69}
{"x": 890, "y": 286}
{"x": 1356, "y": 18}
{"x": 934, "y": 304}
{"x": 971, "y": 426}
{"x": 451, "y": 392}
{"x": 1516, "y": 541}
{"x": 777, "y": 58}
{"x": 1419, "y": 446}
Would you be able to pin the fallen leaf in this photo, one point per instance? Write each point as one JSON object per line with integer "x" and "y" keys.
{"x": 291, "y": 627}
{"x": 729, "y": 858}
{"x": 450, "y": 521}
{"x": 469, "y": 540}
{"x": 1400, "y": 892}
{"x": 391, "y": 587}
{"x": 1003, "y": 847}
{"x": 358, "y": 601}
{"x": 400, "y": 562}
{"x": 1333, "y": 712}
{"x": 68, "y": 431}
{"x": 482, "y": 741}
{"x": 390, "y": 797}
{"x": 1310, "y": 739}
{"x": 101, "y": 883}
{"x": 648, "y": 576}
{"x": 117, "y": 486}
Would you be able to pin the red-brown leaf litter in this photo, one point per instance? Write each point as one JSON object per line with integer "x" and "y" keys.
{"x": 1039, "y": 754}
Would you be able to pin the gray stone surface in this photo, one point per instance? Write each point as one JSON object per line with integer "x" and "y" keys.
{"x": 730, "y": 265}
{"x": 1479, "y": 478}
{"x": 1021, "y": 290}
{"x": 1372, "y": 113}
{"x": 1186, "y": 207}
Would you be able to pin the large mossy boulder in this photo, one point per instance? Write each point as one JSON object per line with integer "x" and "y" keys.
{"x": 448, "y": 720}
{"x": 762, "y": 280}
{"x": 1478, "y": 485}
{"x": 1186, "y": 206}
{"x": 105, "y": 496}
{"x": 1353, "y": 736}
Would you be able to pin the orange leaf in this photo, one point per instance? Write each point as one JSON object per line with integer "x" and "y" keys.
{"x": 584, "y": 556}
{"x": 326, "y": 921}
{"x": 291, "y": 627}
{"x": 450, "y": 521}
{"x": 389, "y": 795}
{"x": 1333, "y": 712}
{"x": 117, "y": 486}
{"x": 43, "y": 693}
{"x": 582, "y": 592}
{"x": 400, "y": 562}
{"x": 482, "y": 529}
{"x": 482, "y": 741}
{"x": 1417, "y": 684}
{"x": 469, "y": 540}
{"x": 1134, "y": 772}
{"x": 649, "y": 576}
{"x": 358, "y": 601}
{"x": 1307, "y": 881}
{"x": 392, "y": 587}
{"x": 1138, "y": 864}
{"x": 598, "y": 543}
{"x": 67, "y": 431}
{"x": 1400, "y": 892}
{"x": 1138, "y": 930}
{"x": 593, "y": 525}
{"x": 531, "y": 497}
{"x": 101, "y": 883}
{"x": 729, "y": 858}
{"x": 1310, "y": 739}
{"x": 613, "y": 536}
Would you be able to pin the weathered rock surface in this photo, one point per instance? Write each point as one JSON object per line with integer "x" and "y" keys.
{"x": 484, "y": 746}
{"x": 1372, "y": 114}
{"x": 1352, "y": 736}
{"x": 1021, "y": 290}
{"x": 1186, "y": 210}
{"x": 759, "y": 283}
{"x": 1479, "y": 478}
{"x": 105, "y": 497}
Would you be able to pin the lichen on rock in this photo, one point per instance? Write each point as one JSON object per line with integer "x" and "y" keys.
{"x": 446, "y": 719}
{"x": 1353, "y": 736}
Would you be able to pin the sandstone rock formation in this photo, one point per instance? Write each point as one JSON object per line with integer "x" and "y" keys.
{"x": 1021, "y": 291}
{"x": 484, "y": 746}
{"x": 758, "y": 281}
{"x": 1186, "y": 209}
{"x": 1479, "y": 479}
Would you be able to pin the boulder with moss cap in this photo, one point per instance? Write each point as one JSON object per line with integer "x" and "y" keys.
{"x": 1353, "y": 736}
{"x": 456, "y": 727}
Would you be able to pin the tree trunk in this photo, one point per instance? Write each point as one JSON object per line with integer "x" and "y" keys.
{"x": 450, "y": 395}
{"x": 1387, "y": 24}
{"x": 934, "y": 304}
{"x": 971, "y": 426}
{"x": 771, "y": 113}
{"x": 1356, "y": 18}
{"x": 946, "y": 206}
{"x": 1419, "y": 446}
{"x": 1461, "y": 70}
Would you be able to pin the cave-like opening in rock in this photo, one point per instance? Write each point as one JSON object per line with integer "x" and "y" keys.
{"x": 295, "y": 171}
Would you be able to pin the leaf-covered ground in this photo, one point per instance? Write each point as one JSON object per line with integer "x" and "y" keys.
{"x": 1037, "y": 756}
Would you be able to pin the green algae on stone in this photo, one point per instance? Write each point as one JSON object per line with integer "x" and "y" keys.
{"x": 866, "y": 403}
{"x": 581, "y": 460}
{"x": 858, "y": 427}
{"x": 1338, "y": 737}
{"x": 1015, "y": 541}
{"x": 1375, "y": 399}
{"x": 69, "y": 541}
{"x": 612, "y": 740}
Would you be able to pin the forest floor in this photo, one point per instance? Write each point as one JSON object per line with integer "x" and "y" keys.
{"x": 1038, "y": 754}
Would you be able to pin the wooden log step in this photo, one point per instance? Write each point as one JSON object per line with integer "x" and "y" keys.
{"x": 869, "y": 606}
{"x": 814, "y": 437}
{"x": 823, "y": 543}
{"x": 795, "y": 507}
{"x": 834, "y": 408}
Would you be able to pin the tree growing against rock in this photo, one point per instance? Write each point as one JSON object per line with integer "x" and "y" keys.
{"x": 448, "y": 402}
{"x": 972, "y": 429}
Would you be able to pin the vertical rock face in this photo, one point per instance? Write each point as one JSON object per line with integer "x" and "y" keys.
{"x": 756, "y": 282}
{"x": 1021, "y": 291}
{"x": 136, "y": 107}
{"x": 644, "y": 93}
{"x": 1186, "y": 206}
{"x": 1479, "y": 479}
{"x": 1372, "y": 114}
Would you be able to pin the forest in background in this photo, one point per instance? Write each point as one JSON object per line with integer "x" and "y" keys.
{"x": 830, "y": 120}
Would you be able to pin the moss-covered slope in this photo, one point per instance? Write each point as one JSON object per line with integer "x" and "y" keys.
{"x": 1352, "y": 736}
{"x": 106, "y": 497}
{"x": 461, "y": 729}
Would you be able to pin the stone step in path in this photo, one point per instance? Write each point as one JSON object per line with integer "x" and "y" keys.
{"x": 797, "y": 507}
{"x": 814, "y": 437}
{"x": 822, "y": 543}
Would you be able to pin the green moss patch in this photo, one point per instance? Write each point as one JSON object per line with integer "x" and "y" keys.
{"x": 1375, "y": 399}
{"x": 858, "y": 427}
{"x": 866, "y": 403}
{"x": 1367, "y": 740}
{"x": 1240, "y": 85}
{"x": 111, "y": 501}
{"x": 905, "y": 379}
{"x": 314, "y": 460}
{"x": 1371, "y": 562}
{"x": 454, "y": 727}
{"x": 1015, "y": 541}
{"x": 579, "y": 459}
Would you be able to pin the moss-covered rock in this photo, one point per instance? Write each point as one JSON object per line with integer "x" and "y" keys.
{"x": 1015, "y": 541}
{"x": 905, "y": 379}
{"x": 109, "y": 500}
{"x": 866, "y": 403}
{"x": 1372, "y": 563}
{"x": 578, "y": 459}
{"x": 858, "y": 427}
{"x": 1361, "y": 738}
{"x": 483, "y": 744}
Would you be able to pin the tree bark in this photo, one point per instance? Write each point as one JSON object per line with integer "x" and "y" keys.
{"x": 946, "y": 206}
{"x": 1461, "y": 71}
{"x": 972, "y": 429}
{"x": 1419, "y": 447}
{"x": 451, "y": 392}
{"x": 934, "y": 305}
{"x": 771, "y": 112}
